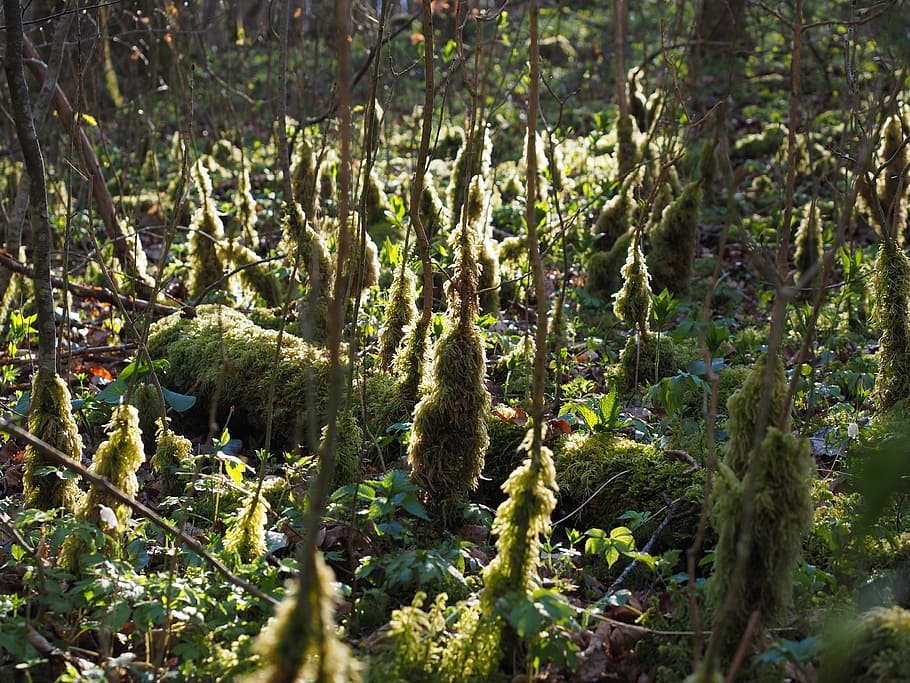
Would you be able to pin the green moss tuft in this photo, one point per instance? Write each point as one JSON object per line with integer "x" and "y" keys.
{"x": 647, "y": 361}
{"x": 449, "y": 431}
{"x": 206, "y": 230}
{"x": 759, "y": 145}
{"x": 674, "y": 240}
{"x": 412, "y": 362}
{"x": 171, "y": 452}
{"x": 50, "y": 418}
{"x": 809, "y": 244}
{"x": 219, "y": 354}
{"x": 633, "y": 301}
{"x": 782, "y": 513}
{"x": 401, "y": 312}
{"x": 246, "y": 537}
{"x": 585, "y": 462}
{"x": 348, "y": 449}
{"x": 433, "y": 215}
{"x": 891, "y": 284}
{"x": 303, "y": 176}
{"x": 502, "y": 456}
{"x": 602, "y": 272}
{"x": 615, "y": 218}
{"x": 464, "y": 170}
{"x": 872, "y": 649}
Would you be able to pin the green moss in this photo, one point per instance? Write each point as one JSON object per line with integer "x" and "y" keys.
{"x": 647, "y": 361}
{"x": 254, "y": 284}
{"x": 759, "y": 145}
{"x": 374, "y": 205}
{"x": 557, "y": 50}
{"x": 875, "y": 648}
{"x": 348, "y": 449}
{"x": 220, "y": 355}
{"x": 489, "y": 282}
{"x": 449, "y": 432}
{"x": 464, "y": 170}
{"x": 645, "y": 479}
{"x": 401, "y": 312}
{"x": 894, "y": 178}
{"x": 502, "y": 456}
{"x": 307, "y": 250}
{"x": 116, "y": 460}
{"x": 411, "y": 364}
{"x": 50, "y": 418}
{"x": 615, "y": 219}
{"x": 809, "y": 245}
{"x": 744, "y": 408}
{"x": 627, "y": 152}
{"x": 779, "y": 481}
{"x": 303, "y": 177}
{"x": 144, "y": 396}
{"x": 602, "y": 271}
{"x": 245, "y": 205}
{"x": 633, "y": 301}
{"x": 674, "y": 240}
{"x": 891, "y": 284}
{"x": 206, "y": 230}
{"x": 246, "y": 537}
{"x": 172, "y": 451}
{"x": 433, "y": 215}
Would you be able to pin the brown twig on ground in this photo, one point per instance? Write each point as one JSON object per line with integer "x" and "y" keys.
{"x": 87, "y": 291}
{"x": 7, "y": 426}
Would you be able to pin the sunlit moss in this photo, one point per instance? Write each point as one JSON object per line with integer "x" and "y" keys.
{"x": 627, "y": 152}
{"x": 300, "y": 642}
{"x": 809, "y": 244}
{"x": 171, "y": 452}
{"x": 674, "y": 240}
{"x": 615, "y": 218}
{"x": 632, "y": 302}
{"x": 219, "y": 354}
{"x": 255, "y": 280}
{"x": 891, "y": 285}
{"x": 206, "y": 230}
{"x": 50, "y": 418}
{"x": 375, "y": 205}
{"x": 759, "y": 145}
{"x": 433, "y": 215}
{"x": 463, "y": 172}
{"x": 245, "y": 205}
{"x": 348, "y": 448}
{"x": 401, "y": 312}
{"x": 303, "y": 176}
{"x": 307, "y": 250}
{"x": 449, "y": 431}
{"x": 117, "y": 460}
{"x": 246, "y": 537}
{"x": 894, "y": 180}
{"x": 412, "y": 361}
{"x": 873, "y": 648}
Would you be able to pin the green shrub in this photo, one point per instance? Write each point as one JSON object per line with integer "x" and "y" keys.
{"x": 874, "y": 648}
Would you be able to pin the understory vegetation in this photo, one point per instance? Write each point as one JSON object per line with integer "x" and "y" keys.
{"x": 480, "y": 343}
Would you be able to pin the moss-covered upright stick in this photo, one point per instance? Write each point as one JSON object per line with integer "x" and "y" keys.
{"x": 206, "y": 230}
{"x": 50, "y": 414}
{"x": 674, "y": 240}
{"x": 809, "y": 244}
{"x": 633, "y": 300}
{"x": 400, "y": 313}
{"x": 246, "y": 538}
{"x": 50, "y": 418}
{"x": 171, "y": 451}
{"x": 891, "y": 285}
{"x": 449, "y": 432}
{"x": 117, "y": 460}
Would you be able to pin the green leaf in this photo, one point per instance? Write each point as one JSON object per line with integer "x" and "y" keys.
{"x": 179, "y": 402}
{"x": 588, "y": 416}
{"x": 113, "y": 393}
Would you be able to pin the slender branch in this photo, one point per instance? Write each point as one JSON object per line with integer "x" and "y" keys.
{"x": 7, "y": 426}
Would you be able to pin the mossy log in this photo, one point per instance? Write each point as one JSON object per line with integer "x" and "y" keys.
{"x": 218, "y": 354}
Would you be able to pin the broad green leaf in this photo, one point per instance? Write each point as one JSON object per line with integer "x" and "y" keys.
{"x": 179, "y": 402}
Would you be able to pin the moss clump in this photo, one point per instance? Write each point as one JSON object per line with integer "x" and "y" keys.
{"x": 502, "y": 456}
{"x": 303, "y": 177}
{"x": 891, "y": 284}
{"x": 875, "y": 648}
{"x": 412, "y": 362}
{"x": 489, "y": 282}
{"x": 255, "y": 279}
{"x": 674, "y": 240}
{"x": 171, "y": 452}
{"x": 759, "y": 145}
{"x": 809, "y": 244}
{"x": 615, "y": 219}
{"x": 632, "y": 303}
{"x": 602, "y": 271}
{"x": 464, "y": 170}
{"x": 449, "y": 432}
{"x": 206, "y": 230}
{"x": 300, "y": 642}
{"x": 374, "y": 205}
{"x": 246, "y": 537}
{"x": 627, "y": 152}
{"x": 744, "y": 409}
{"x": 144, "y": 396}
{"x": 400, "y": 313}
{"x": 648, "y": 360}
{"x": 557, "y": 50}
{"x": 433, "y": 214}
{"x": 348, "y": 448}
{"x": 220, "y": 355}
{"x": 306, "y": 249}
{"x": 50, "y": 418}
{"x": 117, "y": 460}
{"x": 584, "y": 462}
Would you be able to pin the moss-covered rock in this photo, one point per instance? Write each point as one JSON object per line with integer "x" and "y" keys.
{"x": 874, "y": 648}
{"x": 645, "y": 479}
{"x": 219, "y": 355}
